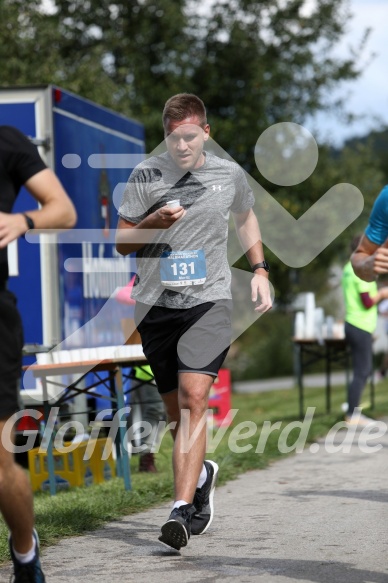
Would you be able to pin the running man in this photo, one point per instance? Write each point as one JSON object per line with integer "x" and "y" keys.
{"x": 20, "y": 164}
{"x": 174, "y": 215}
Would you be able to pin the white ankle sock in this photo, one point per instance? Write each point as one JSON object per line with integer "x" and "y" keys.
{"x": 26, "y": 557}
{"x": 179, "y": 503}
{"x": 202, "y": 477}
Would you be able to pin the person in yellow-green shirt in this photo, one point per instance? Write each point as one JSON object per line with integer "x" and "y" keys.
{"x": 361, "y": 299}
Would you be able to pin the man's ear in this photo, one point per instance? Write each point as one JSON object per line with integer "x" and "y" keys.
{"x": 206, "y": 130}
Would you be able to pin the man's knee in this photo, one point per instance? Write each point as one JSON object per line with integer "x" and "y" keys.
{"x": 196, "y": 403}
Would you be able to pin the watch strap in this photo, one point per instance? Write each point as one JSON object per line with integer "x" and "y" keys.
{"x": 29, "y": 221}
{"x": 262, "y": 265}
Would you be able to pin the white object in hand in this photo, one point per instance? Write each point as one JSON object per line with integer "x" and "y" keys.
{"x": 173, "y": 203}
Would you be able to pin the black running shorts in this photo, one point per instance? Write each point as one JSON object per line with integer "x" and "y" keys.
{"x": 191, "y": 340}
{"x": 11, "y": 345}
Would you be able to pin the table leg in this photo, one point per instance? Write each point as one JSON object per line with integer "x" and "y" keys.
{"x": 298, "y": 356}
{"x": 124, "y": 461}
{"x": 115, "y": 421}
{"x": 347, "y": 364}
{"x": 50, "y": 456}
{"x": 328, "y": 379}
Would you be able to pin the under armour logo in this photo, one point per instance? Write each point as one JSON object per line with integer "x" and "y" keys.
{"x": 217, "y": 187}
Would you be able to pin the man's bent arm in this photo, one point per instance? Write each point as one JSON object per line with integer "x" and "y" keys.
{"x": 369, "y": 259}
{"x": 57, "y": 210}
{"x": 131, "y": 237}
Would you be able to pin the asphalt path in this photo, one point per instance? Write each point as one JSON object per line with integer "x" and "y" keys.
{"x": 318, "y": 516}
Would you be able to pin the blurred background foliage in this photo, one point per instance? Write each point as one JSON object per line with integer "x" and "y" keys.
{"x": 254, "y": 63}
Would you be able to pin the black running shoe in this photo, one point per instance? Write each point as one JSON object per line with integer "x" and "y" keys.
{"x": 27, "y": 572}
{"x": 176, "y": 531}
{"x": 203, "y": 500}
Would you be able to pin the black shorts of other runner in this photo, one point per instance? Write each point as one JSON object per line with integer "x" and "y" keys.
{"x": 11, "y": 345}
{"x": 196, "y": 339}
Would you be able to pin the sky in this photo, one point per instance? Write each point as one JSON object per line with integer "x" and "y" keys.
{"x": 368, "y": 95}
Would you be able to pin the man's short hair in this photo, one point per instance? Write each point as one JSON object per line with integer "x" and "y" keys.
{"x": 182, "y": 106}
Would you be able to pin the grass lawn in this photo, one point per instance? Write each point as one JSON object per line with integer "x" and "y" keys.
{"x": 83, "y": 509}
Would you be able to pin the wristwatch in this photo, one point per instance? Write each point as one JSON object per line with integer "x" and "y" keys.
{"x": 263, "y": 265}
{"x": 29, "y": 221}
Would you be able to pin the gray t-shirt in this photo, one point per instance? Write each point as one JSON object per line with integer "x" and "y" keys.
{"x": 187, "y": 264}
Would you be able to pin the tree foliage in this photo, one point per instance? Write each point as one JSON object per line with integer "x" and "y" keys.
{"x": 254, "y": 63}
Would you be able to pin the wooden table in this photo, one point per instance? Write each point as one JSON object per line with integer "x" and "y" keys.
{"x": 49, "y": 373}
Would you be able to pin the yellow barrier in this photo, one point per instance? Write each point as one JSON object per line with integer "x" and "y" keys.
{"x": 70, "y": 467}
